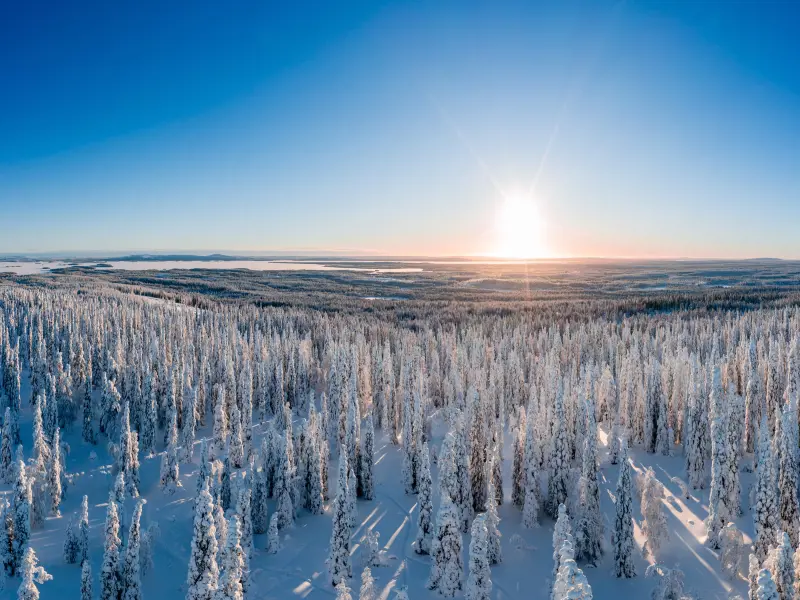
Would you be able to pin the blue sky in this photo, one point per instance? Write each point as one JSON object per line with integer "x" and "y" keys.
{"x": 643, "y": 128}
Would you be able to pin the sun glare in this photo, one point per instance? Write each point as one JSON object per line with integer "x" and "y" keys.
{"x": 520, "y": 229}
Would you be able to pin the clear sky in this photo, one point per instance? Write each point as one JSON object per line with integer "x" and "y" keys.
{"x": 559, "y": 128}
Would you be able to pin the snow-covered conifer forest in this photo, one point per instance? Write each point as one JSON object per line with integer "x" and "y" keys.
{"x": 163, "y": 441}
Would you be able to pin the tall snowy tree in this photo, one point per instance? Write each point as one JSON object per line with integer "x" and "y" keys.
{"x": 782, "y": 567}
{"x": 83, "y": 531}
{"x": 478, "y": 460}
{"x": 367, "y": 591}
{"x": 131, "y": 569}
{"x": 422, "y": 544}
{"x": 622, "y": 539}
{"x": 530, "y": 509}
{"x": 54, "y": 475}
{"x": 86, "y": 574}
{"x": 366, "y": 462}
{"x": 244, "y": 512}
{"x": 21, "y": 508}
{"x": 446, "y": 560}
{"x": 463, "y": 493}
{"x": 788, "y": 482}
{"x": 202, "y": 580}
{"x": 111, "y": 584}
{"x": 561, "y": 533}
{"x": 494, "y": 551}
{"x": 169, "y": 480}
{"x": 479, "y": 581}
{"x": 518, "y": 467}
{"x": 233, "y": 565}
{"x": 339, "y": 550}
{"x": 31, "y": 574}
{"x": 559, "y": 460}
{"x": 654, "y": 523}
{"x": 589, "y": 526}
{"x": 765, "y": 509}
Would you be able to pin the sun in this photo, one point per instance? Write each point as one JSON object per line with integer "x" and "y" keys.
{"x": 519, "y": 228}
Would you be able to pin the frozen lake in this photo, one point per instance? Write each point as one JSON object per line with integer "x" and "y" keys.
{"x": 32, "y": 268}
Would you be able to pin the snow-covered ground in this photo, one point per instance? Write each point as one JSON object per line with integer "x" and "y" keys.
{"x": 299, "y": 570}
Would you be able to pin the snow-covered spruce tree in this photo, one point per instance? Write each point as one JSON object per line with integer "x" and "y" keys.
{"x": 463, "y": 497}
{"x": 731, "y": 551}
{"x": 7, "y": 563}
{"x": 670, "y": 582}
{"x": 284, "y": 484}
{"x": 244, "y": 512}
{"x": 220, "y": 422}
{"x": 31, "y": 574}
{"x": 7, "y": 471}
{"x": 734, "y": 408}
{"x": 788, "y": 508}
{"x": 131, "y": 569}
{"x": 88, "y": 433}
{"x": 232, "y": 565}
{"x": 562, "y": 532}
{"x": 351, "y": 498}
{"x": 40, "y": 500}
{"x": 559, "y": 459}
{"x": 21, "y": 508}
{"x": 589, "y": 525}
{"x": 150, "y": 417}
{"x": 367, "y": 591}
{"x": 695, "y": 443}
{"x": 260, "y": 514}
{"x": 479, "y": 581}
{"x": 273, "y": 537}
{"x": 571, "y": 582}
{"x": 312, "y": 473}
{"x": 446, "y": 561}
{"x": 478, "y": 454}
{"x": 111, "y": 587}
{"x": 83, "y": 531}
{"x": 225, "y": 485}
{"x": 189, "y": 424}
{"x": 718, "y": 513}
{"x": 753, "y": 567}
{"x": 204, "y": 469}
{"x": 169, "y": 479}
{"x": 339, "y": 551}
{"x": 493, "y": 549}
{"x": 614, "y": 441}
{"x": 235, "y": 439}
{"x": 654, "y": 522}
{"x": 422, "y": 543}
{"x": 220, "y": 523}
{"x": 496, "y": 469}
{"x": 71, "y": 543}
{"x": 371, "y": 550}
{"x": 622, "y": 539}
{"x": 518, "y": 466}
{"x": 766, "y": 586}
{"x": 202, "y": 580}
{"x": 342, "y": 591}
{"x": 367, "y": 459}
{"x": 86, "y": 575}
{"x": 568, "y": 574}
{"x": 782, "y": 567}
{"x": 754, "y": 401}
{"x": 41, "y": 449}
{"x": 54, "y": 475}
{"x": 765, "y": 508}
{"x": 530, "y": 509}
